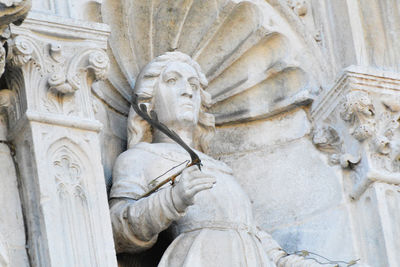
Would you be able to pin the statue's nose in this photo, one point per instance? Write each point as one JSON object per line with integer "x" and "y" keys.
{"x": 187, "y": 90}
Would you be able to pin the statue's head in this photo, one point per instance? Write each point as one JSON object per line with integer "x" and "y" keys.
{"x": 173, "y": 86}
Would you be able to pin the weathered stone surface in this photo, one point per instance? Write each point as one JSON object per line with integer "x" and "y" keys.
{"x": 52, "y": 126}
{"x": 329, "y": 234}
{"x": 265, "y": 61}
{"x": 311, "y": 184}
{"x": 207, "y": 212}
{"x": 12, "y": 231}
{"x": 250, "y": 137}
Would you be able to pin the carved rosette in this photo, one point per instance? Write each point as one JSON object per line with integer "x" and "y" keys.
{"x": 357, "y": 125}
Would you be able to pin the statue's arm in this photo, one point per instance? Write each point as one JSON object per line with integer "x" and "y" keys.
{"x": 280, "y": 257}
{"x": 137, "y": 223}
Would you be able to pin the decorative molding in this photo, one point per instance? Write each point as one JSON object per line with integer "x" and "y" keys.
{"x": 357, "y": 125}
{"x": 75, "y": 209}
{"x": 91, "y": 33}
{"x": 49, "y": 75}
{"x": 52, "y": 124}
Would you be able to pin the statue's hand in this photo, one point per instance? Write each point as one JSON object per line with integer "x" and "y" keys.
{"x": 191, "y": 182}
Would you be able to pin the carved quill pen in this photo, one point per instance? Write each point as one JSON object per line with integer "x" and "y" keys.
{"x": 152, "y": 119}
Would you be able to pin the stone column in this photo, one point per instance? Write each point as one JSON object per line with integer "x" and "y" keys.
{"x": 357, "y": 125}
{"x": 51, "y": 67}
{"x": 12, "y": 232}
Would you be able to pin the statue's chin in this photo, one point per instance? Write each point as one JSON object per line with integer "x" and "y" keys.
{"x": 187, "y": 118}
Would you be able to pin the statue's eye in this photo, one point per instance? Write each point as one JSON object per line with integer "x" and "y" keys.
{"x": 194, "y": 86}
{"x": 171, "y": 81}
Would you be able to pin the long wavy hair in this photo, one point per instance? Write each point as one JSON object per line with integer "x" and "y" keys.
{"x": 139, "y": 130}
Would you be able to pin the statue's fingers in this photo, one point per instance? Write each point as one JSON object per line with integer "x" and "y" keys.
{"x": 200, "y": 181}
{"x": 196, "y": 189}
{"x": 191, "y": 169}
{"x": 198, "y": 174}
{"x": 189, "y": 172}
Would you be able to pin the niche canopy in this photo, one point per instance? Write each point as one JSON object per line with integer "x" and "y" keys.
{"x": 249, "y": 66}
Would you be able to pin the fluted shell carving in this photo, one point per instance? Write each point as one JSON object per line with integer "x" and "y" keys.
{"x": 248, "y": 64}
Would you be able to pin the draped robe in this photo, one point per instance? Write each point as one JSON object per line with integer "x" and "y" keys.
{"x": 218, "y": 230}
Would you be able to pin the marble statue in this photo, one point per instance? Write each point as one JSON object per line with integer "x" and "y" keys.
{"x": 207, "y": 211}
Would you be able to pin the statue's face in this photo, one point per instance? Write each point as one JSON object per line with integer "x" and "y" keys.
{"x": 177, "y": 98}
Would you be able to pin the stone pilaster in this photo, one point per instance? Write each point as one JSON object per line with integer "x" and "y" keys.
{"x": 357, "y": 125}
{"x": 51, "y": 124}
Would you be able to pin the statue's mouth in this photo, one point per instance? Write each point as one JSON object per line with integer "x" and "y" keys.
{"x": 187, "y": 105}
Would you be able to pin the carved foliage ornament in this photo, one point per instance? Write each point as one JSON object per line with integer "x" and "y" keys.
{"x": 359, "y": 111}
{"x": 65, "y": 70}
{"x": 372, "y": 125}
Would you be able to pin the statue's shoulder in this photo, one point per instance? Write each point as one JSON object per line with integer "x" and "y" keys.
{"x": 139, "y": 153}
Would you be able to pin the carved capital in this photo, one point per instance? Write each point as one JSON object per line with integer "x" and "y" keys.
{"x": 357, "y": 124}
{"x": 51, "y": 74}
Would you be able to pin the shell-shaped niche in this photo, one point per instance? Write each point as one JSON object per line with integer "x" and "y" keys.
{"x": 251, "y": 71}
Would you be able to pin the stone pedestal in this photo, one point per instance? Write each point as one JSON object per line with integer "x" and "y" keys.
{"x": 52, "y": 126}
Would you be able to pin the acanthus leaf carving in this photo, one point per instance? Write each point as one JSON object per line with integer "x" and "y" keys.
{"x": 327, "y": 139}
{"x": 52, "y": 76}
{"x": 367, "y": 122}
{"x": 22, "y": 49}
{"x": 58, "y": 84}
{"x": 359, "y": 111}
{"x": 100, "y": 64}
{"x": 95, "y": 60}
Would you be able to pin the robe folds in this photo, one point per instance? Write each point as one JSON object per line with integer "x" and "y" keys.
{"x": 218, "y": 230}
